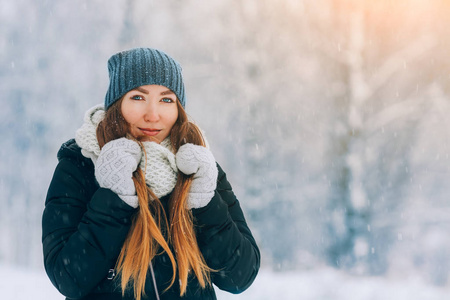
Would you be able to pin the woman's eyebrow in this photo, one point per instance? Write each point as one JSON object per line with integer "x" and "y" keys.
{"x": 144, "y": 91}
{"x": 168, "y": 92}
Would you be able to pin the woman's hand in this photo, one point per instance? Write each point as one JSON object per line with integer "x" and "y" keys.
{"x": 198, "y": 160}
{"x": 114, "y": 168}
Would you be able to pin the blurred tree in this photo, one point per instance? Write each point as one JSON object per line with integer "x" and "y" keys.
{"x": 376, "y": 116}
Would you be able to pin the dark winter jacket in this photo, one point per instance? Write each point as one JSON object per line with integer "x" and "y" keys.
{"x": 84, "y": 227}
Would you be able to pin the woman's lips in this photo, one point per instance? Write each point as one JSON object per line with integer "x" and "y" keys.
{"x": 150, "y": 131}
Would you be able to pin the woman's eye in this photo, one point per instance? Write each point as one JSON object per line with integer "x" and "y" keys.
{"x": 167, "y": 100}
{"x": 137, "y": 97}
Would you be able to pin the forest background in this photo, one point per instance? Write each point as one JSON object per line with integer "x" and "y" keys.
{"x": 330, "y": 117}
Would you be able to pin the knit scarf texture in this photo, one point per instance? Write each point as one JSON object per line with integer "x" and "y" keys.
{"x": 158, "y": 162}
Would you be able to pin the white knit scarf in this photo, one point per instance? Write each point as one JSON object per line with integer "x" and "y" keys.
{"x": 158, "y": 164}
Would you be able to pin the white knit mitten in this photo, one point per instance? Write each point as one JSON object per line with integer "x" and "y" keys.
{"x": 114, "y": 168}
{"x": 198, "y": 160}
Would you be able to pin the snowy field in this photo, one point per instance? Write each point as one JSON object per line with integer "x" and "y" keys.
{"x": 326, "y": 284}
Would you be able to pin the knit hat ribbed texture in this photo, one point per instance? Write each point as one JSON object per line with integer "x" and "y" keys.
{"x": 143, "y": 66}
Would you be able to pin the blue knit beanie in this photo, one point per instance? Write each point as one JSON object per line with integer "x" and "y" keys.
{"x": 142, "y": 66}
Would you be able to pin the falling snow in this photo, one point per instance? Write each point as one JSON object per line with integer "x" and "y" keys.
{"x": 330, "y": 119}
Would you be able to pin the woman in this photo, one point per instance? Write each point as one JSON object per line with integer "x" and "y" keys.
{"x": 137, "y": 207}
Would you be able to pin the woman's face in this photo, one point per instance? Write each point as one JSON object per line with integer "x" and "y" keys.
{"x": 151, "y": 111}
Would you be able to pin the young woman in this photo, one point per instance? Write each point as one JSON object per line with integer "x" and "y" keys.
{"x": 137, "y": 207}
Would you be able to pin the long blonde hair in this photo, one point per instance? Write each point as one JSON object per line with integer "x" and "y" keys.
{"x": 145, "y": 236}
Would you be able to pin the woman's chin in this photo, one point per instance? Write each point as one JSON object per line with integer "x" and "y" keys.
{"x": 146, "y": 138}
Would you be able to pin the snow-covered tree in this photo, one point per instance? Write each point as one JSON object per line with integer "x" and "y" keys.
{"x": 374, "y": 53}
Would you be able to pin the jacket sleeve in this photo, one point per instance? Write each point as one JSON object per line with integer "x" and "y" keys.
{"x": 83, "y": 229}
{"x": 225, "y": 240}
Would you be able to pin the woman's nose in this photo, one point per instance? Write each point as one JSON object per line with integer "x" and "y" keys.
{"x": 151, "y": 113}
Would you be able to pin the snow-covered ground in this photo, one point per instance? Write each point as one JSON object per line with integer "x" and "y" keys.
{"x": 321, "y": 284}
